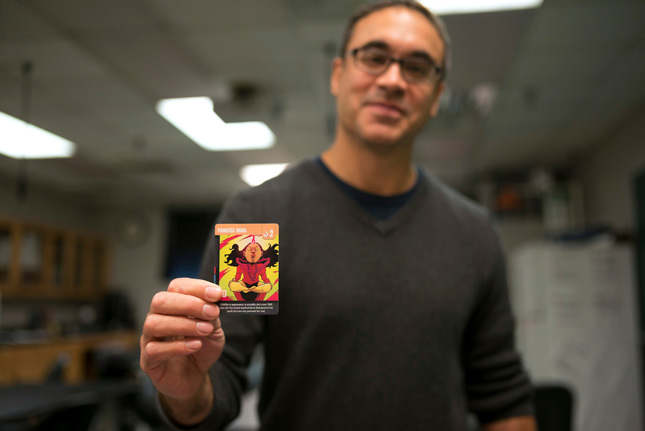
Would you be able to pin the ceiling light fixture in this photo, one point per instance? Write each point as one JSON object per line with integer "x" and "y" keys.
{"x": 20, "y": 140}
{"x": 254, "y": 175}
{"x": 195, "y": 118}
{"x": 453, "y": 7}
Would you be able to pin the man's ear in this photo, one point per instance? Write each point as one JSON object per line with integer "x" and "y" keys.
{"x": 336, "y": 70}
{"x": 436, "y": 97}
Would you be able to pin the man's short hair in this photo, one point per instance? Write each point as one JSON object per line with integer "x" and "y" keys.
{"x": 438, "y": 24}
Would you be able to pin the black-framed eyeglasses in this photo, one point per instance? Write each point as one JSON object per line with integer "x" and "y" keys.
{"x": 376, "y": 61}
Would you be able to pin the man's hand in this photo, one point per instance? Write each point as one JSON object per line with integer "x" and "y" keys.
{"x": 182, "y": 338}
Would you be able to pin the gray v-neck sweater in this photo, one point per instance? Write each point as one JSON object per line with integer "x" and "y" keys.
{"x": 401, "y": 323}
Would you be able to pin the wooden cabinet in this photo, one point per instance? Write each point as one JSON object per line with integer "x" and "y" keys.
{"x": 41, "y": 262}
{"x": 30, "y": 363}
{"x": 6, "y": 254}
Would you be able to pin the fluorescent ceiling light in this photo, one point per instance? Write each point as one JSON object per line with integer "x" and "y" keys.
{"x": 26, "y": 141}
{"x": 253, "y": 133}
{"x": 195, "y": 118}
{"x": 452, "y": 7}
{"x": 254, "y": 175}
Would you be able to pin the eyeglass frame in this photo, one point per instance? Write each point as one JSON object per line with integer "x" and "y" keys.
{"x": 438, "y": 71}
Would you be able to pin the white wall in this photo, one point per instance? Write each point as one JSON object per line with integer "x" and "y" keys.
{"x": 137, "y": 270}
{"x": 45, "y": 206}
{"x": 607, "y": 172}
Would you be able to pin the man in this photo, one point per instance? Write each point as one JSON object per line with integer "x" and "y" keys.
{"x": 394, "y": 309}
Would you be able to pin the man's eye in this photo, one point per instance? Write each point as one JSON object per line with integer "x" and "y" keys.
{"x": 374, "y": 59}
{"x": 417, "y": 69}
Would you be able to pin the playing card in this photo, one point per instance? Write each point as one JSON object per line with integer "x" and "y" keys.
{"x": 246, "y": 267}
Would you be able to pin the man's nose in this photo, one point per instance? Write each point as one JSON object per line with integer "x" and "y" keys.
{"x": 392, "y": 76}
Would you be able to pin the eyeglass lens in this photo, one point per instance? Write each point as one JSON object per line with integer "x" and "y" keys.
{"x": 376, "y": 62}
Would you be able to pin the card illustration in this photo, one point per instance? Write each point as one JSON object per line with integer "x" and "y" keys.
{"x": 247, "y": 268}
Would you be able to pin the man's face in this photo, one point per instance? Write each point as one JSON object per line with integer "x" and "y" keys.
{"x": 253, "y": 253}
{"x": 385, "y": 110}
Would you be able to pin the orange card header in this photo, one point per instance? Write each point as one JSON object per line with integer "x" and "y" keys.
{"x": 265, "y": 230}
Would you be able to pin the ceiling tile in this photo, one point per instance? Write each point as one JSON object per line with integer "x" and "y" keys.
{"x": 92, "y": 14}
{"x": 238, "y": 15}
{"x": 520, "y": 125}
{"x": 585, "y": 64}
{"x": 9, "y": 93}
{"x": 255, "y": 56}
{"x": 17, "y": 22}
{"x": 90, "y": 92}
{"x": 484, "y": 55}
{"x": 599, "y": 24}
{"x": 52, "y": 58}
{"x": 323, "y": 9}
{"x": 154, "y": 63}
{"x": 536, "y": 99}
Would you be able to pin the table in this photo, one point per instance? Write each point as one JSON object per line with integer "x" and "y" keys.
{"x": 34, "y": 403}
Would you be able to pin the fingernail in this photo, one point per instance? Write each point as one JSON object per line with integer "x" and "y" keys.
{"x": 210, "y": 311}
{"x": 193, "y": 344}
{"x": 213, "y": 293}
{"x": 204, "y": 328}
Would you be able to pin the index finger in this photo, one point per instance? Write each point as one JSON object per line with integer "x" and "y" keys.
{"x": 209, "y": 292}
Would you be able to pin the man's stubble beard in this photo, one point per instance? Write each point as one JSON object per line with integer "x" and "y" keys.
{"x": 384, "y": 145}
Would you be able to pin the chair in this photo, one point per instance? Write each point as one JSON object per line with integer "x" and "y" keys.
{"x": 56, "y": 371}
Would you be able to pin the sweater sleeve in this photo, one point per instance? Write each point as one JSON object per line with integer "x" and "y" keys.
{"x": 497, "y": 385}
{"x": 243, "y": 334}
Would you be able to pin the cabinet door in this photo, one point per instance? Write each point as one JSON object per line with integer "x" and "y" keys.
{"x": 89, "y": 257}
{"x": 31, "y": 258}
{"x": 76, "y": 264}
{"x": 54, "y": 267}
{"x": 38, "y": 262}
{"x": 7, "y": 261}
{"x": 87, "y": 260}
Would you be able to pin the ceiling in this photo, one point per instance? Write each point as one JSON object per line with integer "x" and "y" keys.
{"x": 527, "y": 87}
